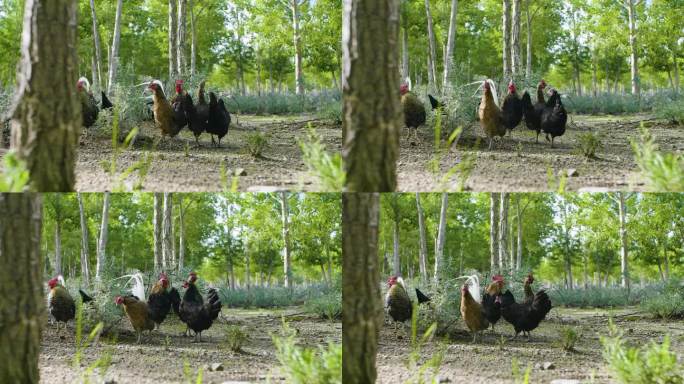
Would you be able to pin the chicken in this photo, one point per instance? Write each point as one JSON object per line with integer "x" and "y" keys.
{"x": 491, "y": 119}
{"x": 511, "y": 108}
{"x": 422, "y": 298}
{"x": 472, "y": 312}
{"x": 60, "y": 303}
{"x": 397, "y": 301}
{"x": 85, "y": 298}
{"x": 529, "y": 295}
{"x": 414, "y": 111}
{"x": 104, "y": 101}
{"x": 491, "y": 301}
{"x": 525, "y": 317}
{"x": 531, "y": 112}
{"x": 89, "y": 107}
{"x": 198, "y": 315}
{"x": 434, "y": 103}
{"x": 162, "y": 299}
{"x": 138, "y": 313}
{"x": 219, "y": 118}
{"x": 554, "y": 117}
{"x": 169, "y": 119}
{"x": 198, "y": 115}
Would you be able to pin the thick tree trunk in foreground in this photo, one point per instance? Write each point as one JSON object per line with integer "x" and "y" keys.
{"x": 114, "y": 56}
{"x": 494, "y": 232}
{"x": 46, "y": 120}
{"x": 285, "y": 213}
{"x": 173, "y": 34}
{"x": 102, "y": 243}
{"x": 97, "y": 75}
{"x": 167, "y": 235}
{"x": 85, "y": 268}
{"x": 451, "y": 43}
{"x": 422, "y": 262}
{"x": 157, "y": 235}
{"x": 441, "y": 239}
{"x": 371, "y": 113}
{"x": 362, "y": 317}
{"x": 21, "y": 279}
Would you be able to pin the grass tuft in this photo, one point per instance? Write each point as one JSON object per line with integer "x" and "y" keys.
{"x": 567, "y": 338}
{"x": 329, "y": 168}
{"x": 235, "y": 338}
{"x": 257, "y": 142}
{"x": 664, "y": 171}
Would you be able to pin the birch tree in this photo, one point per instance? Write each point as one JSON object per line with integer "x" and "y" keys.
{"x": 516, "y": 60}
{"x": 182, "y": 6}
{"x": 299, "y": 80}
{"x": 85, "y": 269}
{"x": 181, "y": 232}
{"x": 624, "y": 256}
{"x": 506, "y": 32}
{"x": 630, "y": 5}
{"x": 58, "y": 233}
{"x": 451, "y": 43}
{"x": 114, "y": 56}
{"x": 173, "y": 34}
{"x": 494, "y": 231}
{"x": 102, "y": 243}
{"x": 284, "y": 213}
{"x": 396, "y": 217}
{"x": 97, "y": 76}
{"x": 157, "y": 235}
{"x": 432, "y": 44}
{"x": 503, "y": 230}
{"x": 167, "y": 234}
{"x": 441, "y": 239}
{"x": 423, "y": 240}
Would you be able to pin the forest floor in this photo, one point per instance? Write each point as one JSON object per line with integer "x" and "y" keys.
{"x": 179, "y": 165}
{"x": 160, "y": 358}
{"x": 517, "y": 163}
{"x": 490, "y": 359}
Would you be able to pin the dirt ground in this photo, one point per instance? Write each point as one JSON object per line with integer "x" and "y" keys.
{"x": 517, "y": 163}
{"x": 161, "y": 356}
{"x": 179, "y": 165}
{"x": 490, "y": 359}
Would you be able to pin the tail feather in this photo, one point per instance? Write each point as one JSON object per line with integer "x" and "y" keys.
{"x": 85, "y": 298}
{"x": 106, "y": 104}
{"x": 213, "y": 303}
{"x": 138, "y": 286}
{"x": 175, "y": 298}
{"x": 422, "y": 298}
{"x": 473, "y": 283}
{"x": 494, "y": 94}
{"x": 541, "y": 302}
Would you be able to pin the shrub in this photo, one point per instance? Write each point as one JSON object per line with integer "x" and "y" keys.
{"x": 235, "y": 338}
{"x": 664, "y": 171}
{"x": 567, "y": 338}
{"x": 14, "y": 176}
{"x": 652, "y": 363}
{"x": 672, "y": 111}
{"x": 328, "y": 306}
{"x": 271, "y": 297}
{"x": 589, "y": 144}
{"x": 302, "y": 365}
{"x": 328, "y": 168}
{"x": 322, "y": 103}
{"x": 256, "y": 143}
{"x": 596, "y": 297}
{"x": 666, "y": 306}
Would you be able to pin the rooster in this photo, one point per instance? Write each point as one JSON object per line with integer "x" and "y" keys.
{"x": 60, "y": 303}
{"x": 414, "y": 111}
{"x": 554, "y": 117}
{"x": 533, "y": 112}
{"x": 219, "y": 118}
{"x": 170, "y": 119}
{"x": 397, "y": 301}
{"x": 472, "y": 312}
{"x": 89, "y": 107}
{"x": 525, "y": 317}
{"x": 511, "y": 109}
{"x": 194, "y": 312}
{"x": 198, "y": 115}
{"x": 162, "y": 299}
{"x": 491, "y": 118}
{"x": 491, "y": 301}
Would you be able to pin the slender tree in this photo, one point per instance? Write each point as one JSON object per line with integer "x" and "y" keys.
{"x": 630, "y": 6}
{"x": 114, "y": 56}
{"x": 180, "y": 41}
{"x": 97, "y": 75}
{"x": 503, "y": 230}
{"x": 157, "y": 235}
{"x": 85, "y": 268}
{"x": 451, "y": 43}
{"x": 441, "y": 239}
{"x": 516, "y": 59}
{"x": 173, "y": 44}
{"x": 494, "y": 231}
{"x": 285, "y": 213}
{"x": 102, "y": 243}
{"x": 506, "y": 39}
{"x": 167, "y": 234}
{"x": 299, "y": 79}
{"x": 432, "y": 44}
{"x": 423, "y": 241}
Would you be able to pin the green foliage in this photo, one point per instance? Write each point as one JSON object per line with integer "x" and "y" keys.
{"x": 326, "y": 104}
{"x": 589, "y": 144}
{"x": 518, "y": 376}
{"x": 668, "y": 303}
{"x": 235, "y": 338}
{"x": 302, "y": 365}
{"x": 274, "y": 297}
{"x": 327, "y": 306}
{"x": 672, "y": 111}
{"x": 567, "y": 338}
{"x": 651, "y": 363}
{"x": 102, "y": 363}
{"x": 664, "y": 171}
{"x": 595, "y": 297}
{"x": 14, "y": 176}
{"x": 426, "y": 372}
{"x": 189, "y": 377}
{"x": 257, "y": 142}
{"x": 327, "y": 167}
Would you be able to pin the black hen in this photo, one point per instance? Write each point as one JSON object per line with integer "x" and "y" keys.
{"x": 525, "y": 317}
{"x": 511, "y": 109}
{"x": 422, "y": 298}
{"x": 532, "y": 114}
{"x": 161, "y": 300}
{"x": 219, "y": 118}
{"x": 194, "y": 312}
{"x": 554, "y": 117}
{"x": 198, "y": 116}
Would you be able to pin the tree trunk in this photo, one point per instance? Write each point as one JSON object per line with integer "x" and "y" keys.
{"x": 624, "y": 265}
{"x": 594, "y": 73}
{"x": 157, "y": 235}
{"x": 503, "y": 231}
{"x": 97, "y": 76}
{"x": 631, "y": 13}
{"x": 231, "y": 274}
{"x": 396, "y": 260}
{"x": 46, "y": 120}
{"x": 432, "y": 44}
{"x": 494, "y": 232}
{"x": 102, "y": 243}
{"x": 181, "y": 37}
{"x": 85, "y": 269}
{"x": 666, "y": 262}
{"x": 285, "y": 212}
{"x": 372, "y": 114}
{"x": 247, "y": 270}
{"x": 21, "y": 279}
{"x": 299, "y": 80}
{"x": 113, "y": 64}
{"x": 518, "y": 260}
{"x": 173, "y": 45}
{"x": 450, "y": 45}
{"x": 181, "y": 234}
{"x": 528, "y": 55}
{"x": 675, "y": 63}
{"x": 441, "y": 239}
{"x": 506, "y": 32}
{"x": 422, "y": 261}
{"x": 567, "y": 262}
{"x": 167, "y": 237}
{"x": 58, "y": 234}
{"x": 404, "y": 52}
{"x": 361, "y": 296}
{"x": 516, "y": 60}
{"x": 193, "y": 40}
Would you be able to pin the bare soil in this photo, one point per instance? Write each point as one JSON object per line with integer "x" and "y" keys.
{"x": 490, "y": 359}
{"x": 517, "y": 163}
{"x": 160, "y": 358}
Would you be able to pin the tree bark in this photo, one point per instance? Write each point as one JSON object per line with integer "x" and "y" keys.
{"x": 567, "y": 262}
{"x": 675, "y": 63}
{"x": 157, "y": 235}
{"x": 173, "y": 34}
{"x": 361, "y": 296}
{"x": 21, "y": 279}
{"x": 85, "y": 268}
{"x": 97, "y": 80}
{"x": 193, "y": 40}
{"x": 528, "y": 55}
{"x": 404, "y": 53}
{"x": 518, "y": 261}
{"x": 181, "y": 234}
{"x": 494, "y": 232}
{"x": 624, "y": 261}
{"x": 441, "y": 239}
{"x": 102, "y": 243}
{"x": 516, "y": 60}
{"x": 506, "y": 32}
{"x": 167, "y": 237}
{"x": 396, "y": 259}
{"x": 247, "y": 269}
{"x": 371, "y": 111}
{"x": 631, "y": 14}
{"x": 285, "y": 213}
{"x": 451, "y": 43}
{"x": 58, "y": 234}
{"x": 299, "y": 80}
{"x": 432, "y": 44}
{"x": 180, "y": 54}
{"x": 46, "y": 119}
{"x": 115, "y": 48}
{"x": 503, "y": 231}
{"x": 422, "y": 261}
